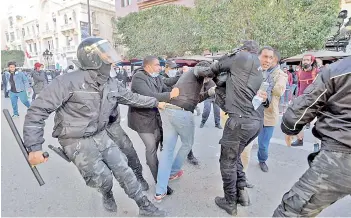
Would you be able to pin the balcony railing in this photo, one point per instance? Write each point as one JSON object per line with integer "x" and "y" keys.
{"x": 47, "y": 34}
{"x": 71, "y": 48}
{"x": 69, "y": 26}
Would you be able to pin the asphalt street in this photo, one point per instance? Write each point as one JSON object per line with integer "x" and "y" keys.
{"x": 65, "y": 193}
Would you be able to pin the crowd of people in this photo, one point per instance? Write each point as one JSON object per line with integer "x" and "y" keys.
{"x": 247, "y": 85}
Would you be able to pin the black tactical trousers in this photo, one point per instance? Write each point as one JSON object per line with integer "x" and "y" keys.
{"x": 119, "y": 136}
{"x": 97, "y": 159}
{"x": 237, "y": 134}
{"x": 326, "y": 181}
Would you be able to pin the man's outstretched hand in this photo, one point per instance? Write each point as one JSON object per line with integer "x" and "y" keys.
{"x": 36, "y": 158}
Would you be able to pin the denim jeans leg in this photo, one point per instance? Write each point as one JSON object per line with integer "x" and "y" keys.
{"x": 14, "y": 101}
{"x": 24, "y": 98}
{"x": 170, "y": 137}
{"x": 216, "y": 113}
{"x": 185, "y": 125}
{"x": 264, "y": 139}
{"x": 207, "y": 110}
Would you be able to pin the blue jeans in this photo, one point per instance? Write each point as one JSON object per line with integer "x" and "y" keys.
{"x": 174, "y": 123}
{"x": 14, "y": 99}
{"x": 264, "y": 137}
{"x": 207, "y": 111}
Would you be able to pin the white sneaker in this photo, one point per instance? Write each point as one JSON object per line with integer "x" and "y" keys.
{"x": 15, "y": 116}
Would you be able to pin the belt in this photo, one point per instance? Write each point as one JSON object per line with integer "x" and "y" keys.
{"x": 172, "y": 106}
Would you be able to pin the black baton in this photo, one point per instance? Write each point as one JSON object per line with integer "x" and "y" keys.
{"x": 23, "y": 149}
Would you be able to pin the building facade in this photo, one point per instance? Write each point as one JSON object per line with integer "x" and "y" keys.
{"x": 124, "y": 7}
{"x": 58, "y": 27}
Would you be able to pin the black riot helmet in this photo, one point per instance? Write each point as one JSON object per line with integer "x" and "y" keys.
{"x": 93, "y": 52}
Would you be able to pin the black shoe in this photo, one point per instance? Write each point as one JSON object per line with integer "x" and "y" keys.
{"x": 264, "y": 167}
{"x": 298, "y": 142}
{"x": 146, "y": 208}
{"x": 218, "y": 126}
{"x": 202, "y": 125}
{"x": 249, "y": 185}
{"x": 243, "y": 197}
{"x": 169, "y": 190}
{"x": 193, "y": 160}
{"x": 230, "y": 208}
{"x": 109, "y": 202}
{"x": 144, "y": 184}
{"x": 316, "y": 147}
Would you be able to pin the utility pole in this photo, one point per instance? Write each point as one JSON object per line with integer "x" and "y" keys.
{"x": 89, "y": 23}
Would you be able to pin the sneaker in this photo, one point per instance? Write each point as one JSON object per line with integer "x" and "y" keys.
{"x": 176, "y": 176}
{"x": 15, "y": 116}
{"x": 264, "y": 167}
{"x": 159, "y": 197}
{"x": 218, "y": 126}
{"x": 169, "y": 190}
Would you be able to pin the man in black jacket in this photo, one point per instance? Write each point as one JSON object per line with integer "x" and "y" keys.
{"x": 146, "y": 121}
{"x": 178, "y": 120}
{"x": 83, "y": 102}
{"x": 329, "y": 177}
{"x": 244, "y": 123}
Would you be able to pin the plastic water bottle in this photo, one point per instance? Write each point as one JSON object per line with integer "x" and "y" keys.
{"x": 257, "y": 101}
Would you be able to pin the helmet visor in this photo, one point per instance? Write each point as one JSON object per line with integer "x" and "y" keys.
{"x": 106, "y": 52}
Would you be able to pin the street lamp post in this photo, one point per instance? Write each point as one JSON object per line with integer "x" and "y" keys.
{"x": 89, "y": 22}
{"x": 47, "y": 56}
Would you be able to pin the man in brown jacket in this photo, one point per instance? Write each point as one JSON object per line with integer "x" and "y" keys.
{"x": 271, "y": 114}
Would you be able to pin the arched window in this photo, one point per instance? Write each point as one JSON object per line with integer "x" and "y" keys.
{"x": 93, "y": 17}
{"x": 65, "y": 18}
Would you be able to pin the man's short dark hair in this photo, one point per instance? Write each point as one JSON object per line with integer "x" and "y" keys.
{"x": 266, "y": 48}
{"x": 204, "y": 64}
{"x": 11, "y": 63}
{"x": 277, "y": 54}
{"x": 148, "y": 60}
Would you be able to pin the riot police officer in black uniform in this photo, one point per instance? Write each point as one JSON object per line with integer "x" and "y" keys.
{"x": 83, "y": 102}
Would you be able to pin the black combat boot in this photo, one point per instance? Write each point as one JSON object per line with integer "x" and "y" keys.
{"x": 109, "y": 202}
{"x": 146, "y": 208}
{"x": 192, "y": 159}
{"x": 229, "y": 207}
{"x": 243, "y": 197}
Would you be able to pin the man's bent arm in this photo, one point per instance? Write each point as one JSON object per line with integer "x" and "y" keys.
{"x": 127, "y": 97}
{"x": 49, "y": 100}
